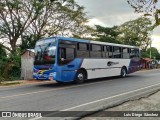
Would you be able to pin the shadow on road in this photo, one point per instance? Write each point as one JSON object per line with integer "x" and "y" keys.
{"x": 59, "y": 85}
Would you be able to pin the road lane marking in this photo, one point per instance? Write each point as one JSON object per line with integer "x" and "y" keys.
{"x": 71, "y": 108}
{"x": 54, "y": 89}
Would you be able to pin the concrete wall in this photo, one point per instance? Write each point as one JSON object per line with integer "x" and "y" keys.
{"x": 26, "y": 65}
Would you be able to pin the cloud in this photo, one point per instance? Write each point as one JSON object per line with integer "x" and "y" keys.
{"x": 92, "y": 22}
{"x": 109, "y": 12}
{"x": 156, "y": 41}
{"x": 156, "y": 31}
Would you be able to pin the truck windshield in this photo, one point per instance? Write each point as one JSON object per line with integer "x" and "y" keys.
{"x": 45, "y": 52}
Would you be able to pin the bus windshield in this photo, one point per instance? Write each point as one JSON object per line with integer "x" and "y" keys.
{"x": 45, "y": 51}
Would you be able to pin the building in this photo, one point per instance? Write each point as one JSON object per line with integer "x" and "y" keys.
{"x": 146, "y": 63}
{"x": 27, "y": 58}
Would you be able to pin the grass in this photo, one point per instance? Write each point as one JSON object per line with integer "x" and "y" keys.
{"x": 9, "y": 83}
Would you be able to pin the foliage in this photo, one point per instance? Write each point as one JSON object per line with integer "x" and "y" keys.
{"x": 2, "y": 52}
{"x": 148, "y": 7}
{"x": 15, "y": 17}
{"x": 58, "y": 18}
{"x": 145, "y": 54}
{"x": 106, "y": 34}
{"x": 154, "y": 53}
{"x": 3, "y": 59}
{"x": 23, "y": 20}
{"x": 10, "y": 67}
{"x": 15, "y": 59}
{"x": 28, "y": 42}
{"x": 136, "y": 32}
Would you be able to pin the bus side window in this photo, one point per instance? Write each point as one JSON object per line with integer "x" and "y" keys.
{"x": 103, "y": 51}
{"x": 110, "y": 51}
{"x": 62, "y": 53}
{"x": 66, "y": 55}
{"x": 70, "y": 53}
{"x": 137, "y": 52}
{"x": 95, "y": 51}
{"x": 82, "y": 50}
{"x": 117, "y": 52}
{"x": 125, "y": 53}
{"x": 134, "y": 53}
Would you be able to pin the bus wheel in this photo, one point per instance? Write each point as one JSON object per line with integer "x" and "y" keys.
{"x": 80, "y": 77}
{"x": 123, "y": 72}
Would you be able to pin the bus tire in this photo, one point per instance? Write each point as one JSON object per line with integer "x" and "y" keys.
{"x": 123, "y": 72}
{"x": 80, "y": 77}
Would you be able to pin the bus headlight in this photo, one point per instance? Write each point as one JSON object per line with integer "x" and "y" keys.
{"x": 34, "y": 74}
{"x": 52, "y": 74}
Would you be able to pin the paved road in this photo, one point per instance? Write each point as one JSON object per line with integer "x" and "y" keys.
{"x": 52, "y": 96}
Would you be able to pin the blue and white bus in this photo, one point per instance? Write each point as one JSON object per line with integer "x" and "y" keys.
{"x": 69, "y": 59}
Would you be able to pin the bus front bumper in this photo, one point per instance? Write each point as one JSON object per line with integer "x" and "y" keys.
{"x": 40, "y": 77}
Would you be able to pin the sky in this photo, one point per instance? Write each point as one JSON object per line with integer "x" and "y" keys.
{"x": 114, "y": 12}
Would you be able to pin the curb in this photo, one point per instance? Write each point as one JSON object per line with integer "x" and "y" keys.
{"x": 24, "y": 83}
{"x": 130, "y": 97}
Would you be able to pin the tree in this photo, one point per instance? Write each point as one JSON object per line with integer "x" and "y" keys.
{"x": 15, "y": 17}
{"x": 136, "y": 32}
{"x": 154, "y": 52}
{"x": 3, "y": 59}
{"x": 20, "y": 20}
{"x": 106, "y": 34}
{"x": 2, "y": 52}
{"x": 58, "y": 18}
{"x": 148, "y": 7}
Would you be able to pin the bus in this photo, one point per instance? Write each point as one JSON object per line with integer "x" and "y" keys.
{"x": 69, "y": 59}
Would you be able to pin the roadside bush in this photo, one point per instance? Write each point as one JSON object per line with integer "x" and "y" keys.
{"x": 10, "y": 67}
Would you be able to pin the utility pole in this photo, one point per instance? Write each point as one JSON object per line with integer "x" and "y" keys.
{"x": 150, "y": 49}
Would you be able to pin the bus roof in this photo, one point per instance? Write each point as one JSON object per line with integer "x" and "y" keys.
{"x": 106, "y": 43}
{"x": 90, "y": 41}
{"x": 74, "y": 39}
